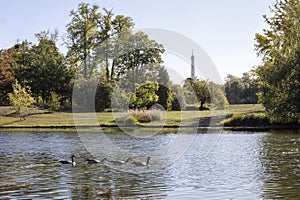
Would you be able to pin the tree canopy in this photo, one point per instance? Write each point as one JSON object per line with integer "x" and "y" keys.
{"x": 279, "y": 75}
{"x": 241, "y": 90}
{"x": 42, "y": 67}
{"x": 6, "y": 73}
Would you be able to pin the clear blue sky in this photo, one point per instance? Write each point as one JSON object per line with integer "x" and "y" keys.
{"x": 225, "y": 29}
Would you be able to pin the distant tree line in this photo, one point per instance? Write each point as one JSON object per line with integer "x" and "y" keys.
{"x": 241, "y": 90}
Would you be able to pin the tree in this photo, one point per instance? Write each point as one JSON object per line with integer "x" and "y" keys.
{"x": 279, "y": 75}
{"x": 177, "y": 97}
{"x": 100, "y": 40}
{"x": 199, "y": 89}
{"x": 250, "y": 88}
{"x": 6, "y": 73}
{"x": 115, "y": 44}
{"x": 103, "y": 96}
{"x": 233, "y": 89}
{"x": 140, "y": 60}
{"x": 241, "y": 90}
{"x": 82, "y": 35}
{"x": 42, "y": 67}
{"x": 20, "y": 98}
{"x": 163, "y": 92}
{"x": 218, "y": 99}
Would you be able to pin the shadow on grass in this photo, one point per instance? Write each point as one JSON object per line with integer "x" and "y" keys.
{"x": 20, "y": 116}
{"x": 206, "y": 121}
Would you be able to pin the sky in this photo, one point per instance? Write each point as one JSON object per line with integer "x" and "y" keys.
{"x": 224, "y": 29}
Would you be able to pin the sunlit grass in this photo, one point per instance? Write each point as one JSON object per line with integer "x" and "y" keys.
{"x": 41, "y": 118}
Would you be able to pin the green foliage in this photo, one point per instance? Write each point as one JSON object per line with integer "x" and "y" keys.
{"x": 252, "y": 119}
{"x": 139, "y": 60}
{"x": 163, "y": 92}
{"x": 176, "y": 100}
{"x": 21, "y": 97}
{"x": 103, "y": 96}
{"x": 217, "y": 96}
{"x": 42, "y": 67}
{"x": 280, "y": 73}
{"x": 144, "y": 96}
{"x": 197, "y": 91}
{"x": 241, "y": 90}
{"x": 54, "y": 104}
{"x": 83, "y": 36}
{"x": 205, "y": 92}
{"x": 101, "y": 38}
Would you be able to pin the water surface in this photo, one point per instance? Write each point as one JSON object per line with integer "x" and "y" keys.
{"x": 240, "y": 166}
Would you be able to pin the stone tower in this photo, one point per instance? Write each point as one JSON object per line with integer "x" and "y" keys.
{"x": 192, "y": 66}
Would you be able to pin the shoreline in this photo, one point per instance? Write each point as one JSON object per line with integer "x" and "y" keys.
{"x": 226, "y": 128}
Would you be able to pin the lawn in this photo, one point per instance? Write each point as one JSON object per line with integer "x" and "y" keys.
{"x": 43, "y": 118}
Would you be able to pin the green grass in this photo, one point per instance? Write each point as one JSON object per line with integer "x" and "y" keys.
{"x": 42, "y": 118}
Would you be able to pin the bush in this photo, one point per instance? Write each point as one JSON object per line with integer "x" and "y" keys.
{"x": 145, "y": 116}
{"x": 139, "y": 116}
{"x": 20, "y": 98}
{"x": 253, "y": 119}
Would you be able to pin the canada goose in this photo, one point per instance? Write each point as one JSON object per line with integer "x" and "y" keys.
{"x": 142, "y": 164}
{"x": 95, "y": 161}
{"x": 120, "y": 162}
{"x": 69, "y": 161}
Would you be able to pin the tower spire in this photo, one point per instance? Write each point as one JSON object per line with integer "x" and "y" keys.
{"x": 192, "y": 65}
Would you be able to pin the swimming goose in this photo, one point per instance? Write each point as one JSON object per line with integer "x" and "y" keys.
{"x": 120, "y": 162}
{"x": 69, "y": 161}
{"x": 95, "y": 161}
{"x": 142, "y": 164}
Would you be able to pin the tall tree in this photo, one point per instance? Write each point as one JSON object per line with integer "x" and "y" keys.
{"x": 279, "y": 75}
{"x": 163, "y": 92}
{"x": 82, "y": 37}
{"x": 42, "y": 67}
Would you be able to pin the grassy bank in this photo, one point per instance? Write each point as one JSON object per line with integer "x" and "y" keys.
{"x": 42, "y": 118}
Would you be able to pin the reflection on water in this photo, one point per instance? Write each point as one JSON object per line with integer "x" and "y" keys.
{"x": 280, "y": 159}
{"x": 240, "y": 166}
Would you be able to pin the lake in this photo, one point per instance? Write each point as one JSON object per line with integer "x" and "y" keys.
{"x": 240, "y": 165}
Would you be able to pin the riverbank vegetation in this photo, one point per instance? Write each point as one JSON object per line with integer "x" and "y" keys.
{"x": 109, "y": 67}
{"x": 43, "y": 118}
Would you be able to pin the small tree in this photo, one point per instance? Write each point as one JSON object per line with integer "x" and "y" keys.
{"x": 54, "y": 102}
{"x": 20, "y": 98}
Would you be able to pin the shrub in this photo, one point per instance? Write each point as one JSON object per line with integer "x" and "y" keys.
{"x": 145, "y": 116}
{"x": 20, "y": 98}
{"x": 252, "y": 119}
{"x": 140, "y": 116}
